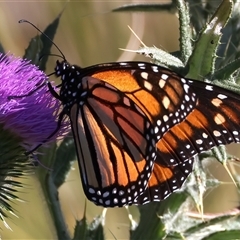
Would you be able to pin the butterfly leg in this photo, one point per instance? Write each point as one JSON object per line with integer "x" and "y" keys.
{"x": 60, "y": 118}
{"x": 52, "y": 91}
{"x": 29, "y": 93}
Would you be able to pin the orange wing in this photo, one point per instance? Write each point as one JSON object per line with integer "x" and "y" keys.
{"x": 164, "y": 180}
{"x": 115, "y": 144}
{"x": 119, "y": 111}
{"x": 215, "y": 121}
{"x": 162, "y": 95}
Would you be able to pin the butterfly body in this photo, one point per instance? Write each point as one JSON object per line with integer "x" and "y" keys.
{"x": 137, "y": 127}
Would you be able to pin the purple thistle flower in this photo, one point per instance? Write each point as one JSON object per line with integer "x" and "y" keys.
{"x": 31, "y": 118}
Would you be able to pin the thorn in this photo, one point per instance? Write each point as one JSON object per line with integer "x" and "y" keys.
{"x": 137, "y": 36}
{"x": 229, "y": 173}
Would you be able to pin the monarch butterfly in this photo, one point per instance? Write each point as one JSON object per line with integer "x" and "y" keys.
{"x": 137, "y": 127}
{"x": 184, "y": 117}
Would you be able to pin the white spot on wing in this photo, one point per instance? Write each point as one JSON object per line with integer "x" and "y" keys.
{"x": 199, "y": 141}
{"x": 144, "y": 75}
{"x": 161, "y": 83}
{"x": 165, "y": 118}
{"x": 166, "y": 102}
{"x": 221, "y": 96}
{"x": 159, "y": 122}
{"x": 187, "y": 98}
{"x": 209, "y": 88}
{"x": 183, "y": 80}
{"x": 186, "y": 88}
{"x": 155, "y": 68}
{"x": 219, "y": 119}
{"x": 205, "y": 135}
{"x": 164, "y": 76}
{"x": 216, "y": 102}
{"x": 156, "y": 129}
{"x": 216, "y": 133}
{"x": 148, "y": 85}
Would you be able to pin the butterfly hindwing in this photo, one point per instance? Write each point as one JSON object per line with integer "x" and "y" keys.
{"x": 164, "y": 180}
{"x": 214, "y": 121}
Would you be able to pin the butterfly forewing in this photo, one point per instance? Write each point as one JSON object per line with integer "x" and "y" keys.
{"x": 164, "y": 96}
{"x": 115, "y": 145}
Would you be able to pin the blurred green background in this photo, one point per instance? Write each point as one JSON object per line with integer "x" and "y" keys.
{"x": 89, "y": 33}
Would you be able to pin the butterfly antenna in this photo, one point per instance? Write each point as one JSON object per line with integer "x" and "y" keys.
{"x": 55, "y": 55}
{"x": 26, "y": 21}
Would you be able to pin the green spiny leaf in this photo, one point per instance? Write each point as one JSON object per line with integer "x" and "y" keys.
{"x": 50, "y": 31}
{"x": 229, "y": 235}
{"x": 226, "y": 71}
{"x": 95, "y": 229}
{"x": 2, "y": 49}
{"x": 65, "y": 156}
{"x": 13, "y": 163}
{"x": 161, "y": 57}
{"x": 146, "y": 7}
{"x": 185, "y": 33}
{"x": 155, "y": 227}
{"x": 33, "y": 50}
{"x": 218, "y": 221}
{"x": 81, "y": 228}
{"x": 201, "y": 63}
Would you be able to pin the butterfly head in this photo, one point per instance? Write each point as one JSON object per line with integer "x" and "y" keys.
{"x": 71, "y": 87}
{"x": 62, "y": 68}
